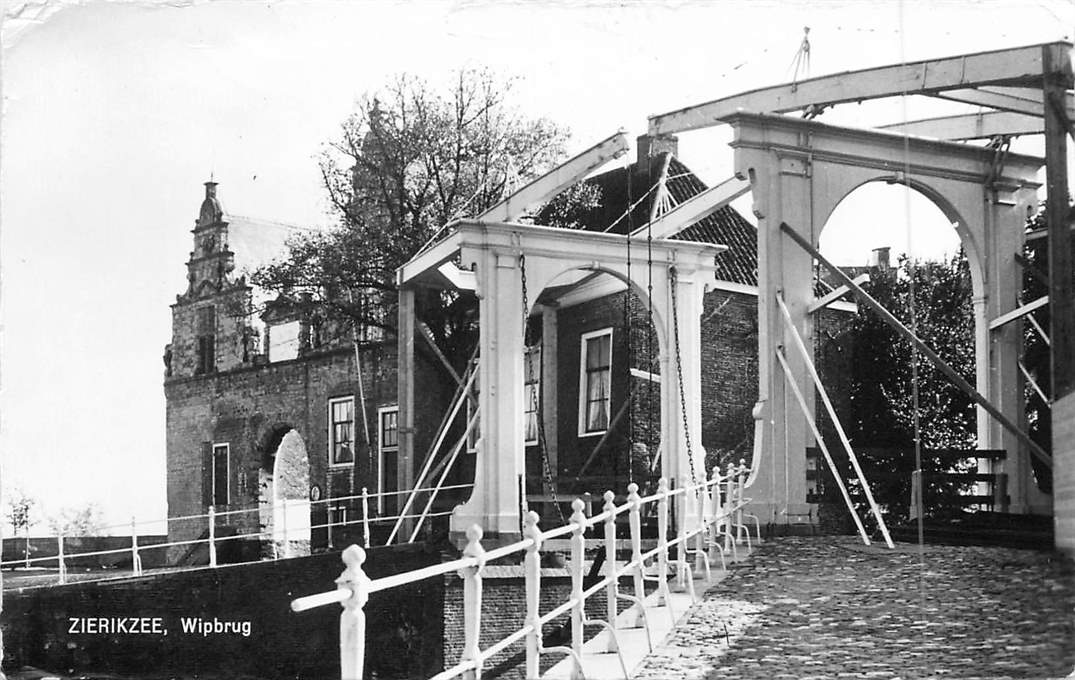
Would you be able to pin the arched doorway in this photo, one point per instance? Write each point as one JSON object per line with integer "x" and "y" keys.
{"x": 283, "y": 494}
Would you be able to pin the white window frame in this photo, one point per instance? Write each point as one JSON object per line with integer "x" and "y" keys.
{"x": 227, "y": 474}
{"x": 332, "y": 433}
{"x": 381, "y": 449}
{"x": 583, "y": 391}
{"x": 532, "y": 350}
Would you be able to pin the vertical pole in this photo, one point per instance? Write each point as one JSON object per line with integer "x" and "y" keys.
{"x": 610, "y": 566}
{"x": 729, "y": 511}
{"x": 136, "y": 559}
{"x": 365, "y": 517}
{"x": 405, "y": 390}
{"x": 578, "y": 554}
{"x": 635, "y": 519}
{"x": 700, "y": 561}
{"x": 63, "y": 564}
{"x": 353, "y": 618}
{"x": 662, "y": 545}
{"x": 532, "y": 574}
{"x": 1057, "y": 80}
{"x": 715, "y": 519}
{"x": 212, "y": 536}
{"x": 472, "y": 601}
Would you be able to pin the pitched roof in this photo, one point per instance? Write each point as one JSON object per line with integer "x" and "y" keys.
{"x": 635, "y": 184}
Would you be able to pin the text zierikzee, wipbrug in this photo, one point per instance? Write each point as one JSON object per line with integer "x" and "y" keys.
{"x": 214, "y": 626}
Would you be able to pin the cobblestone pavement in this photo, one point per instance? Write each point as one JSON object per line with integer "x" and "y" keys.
{"x": 830, "y": 607}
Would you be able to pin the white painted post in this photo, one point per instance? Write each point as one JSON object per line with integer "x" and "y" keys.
{"x": 729, "y": 511}
{"x": 740, "y": 485}
{"x": 662, "y": 545}
{"x": 365, "y": 517}
{"x": 63, "y": 564}
{"x": 634, "y": 517}
{"x": 353, "y": 618}
{"x": 578, "y": 554}
{"x": 472, "y": 601}
{"x": 287, "y": 549}
{"x": 212, "y": 536}
{"x": 136, "y": 559}
{"x": 610, "y": 566}
{"x": 700, "y": 561}
{"x": 532, "y": 574}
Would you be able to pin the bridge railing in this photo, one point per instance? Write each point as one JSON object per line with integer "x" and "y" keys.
{"x": 714, "y": 514}
{"x": 64, "y": 558}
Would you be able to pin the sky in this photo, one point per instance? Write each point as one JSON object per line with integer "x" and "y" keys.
{"x": 114, "y": 113}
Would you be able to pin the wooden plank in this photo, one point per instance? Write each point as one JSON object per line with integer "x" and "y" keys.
{"x": 553, "y": 182}
{"x": 696, "y": 208}
{"x": 961, "y": 128}
{"x": 834, "y": 294}
{"x": 1057, "y": 80}
{"x": 1021, "y": 66}
{"x": 994, "y": 100}
{"x": 937, "y": 361}
{"x": 1018, "y": 312}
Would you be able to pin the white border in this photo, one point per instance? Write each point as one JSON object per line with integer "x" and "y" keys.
{"x": 583, "y": 432}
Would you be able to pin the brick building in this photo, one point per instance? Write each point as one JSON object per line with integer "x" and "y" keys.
{"x": 264, "y": 403}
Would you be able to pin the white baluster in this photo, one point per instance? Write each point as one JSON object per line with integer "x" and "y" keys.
{"x": 212, "y": 536}
{"x": 610, "y": 565}
{"x": 365, "y": 517}
{"x": 729, "y": 512}
{"x": 353, "y": 618}
{"x": 700, "y": 561}
{"x": 634, "y": 517}
{"x": 63, "y": 564}
{"x": 532, "y": 571}
{"x": 662, "y": 544}
{"x": 715, "y": 523}
{"x": 578, "y": 554}
{"x": 472, "y": 601}
{"x": 136, "y": 559}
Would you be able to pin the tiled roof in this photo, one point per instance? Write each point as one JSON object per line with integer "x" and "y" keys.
{"x": 623, "y": 186}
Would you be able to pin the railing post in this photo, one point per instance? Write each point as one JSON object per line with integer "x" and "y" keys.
{"x": 353, "y": 618}
{"x": 136, "y": 559}
{"x": 634, "y": 517}
{"x": 532, "y": 572}
{"x": 610, "y": 565}
{"x": 700, "y": 560}
{"x": 578, "y": 554}
{"x": 730, "y": 537}
{"x": 662, "y": 544}
{"x": 59, "y": 556}
{"x": 212, "y": 536}
{"x": 472, "y": 601}
{"x": 365, "y": 517}
{"x": 740, "y": 499}
{"x": 715, "y": 520}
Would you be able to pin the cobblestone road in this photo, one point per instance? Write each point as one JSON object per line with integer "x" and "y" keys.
{"x": 830, "y": 607}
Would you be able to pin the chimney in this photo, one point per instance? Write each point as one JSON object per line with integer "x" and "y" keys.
{"x": 879, "y": 258}
{"x": 648, "y": 147}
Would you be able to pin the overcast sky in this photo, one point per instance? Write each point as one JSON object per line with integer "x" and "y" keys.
{"x": 115, "y": 113}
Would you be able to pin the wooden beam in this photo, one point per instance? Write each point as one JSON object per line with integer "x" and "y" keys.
{"x": 1058, "y": 78}
{"x": 1018, "y": 312}
{"x": 1033, "y": 383}
{"x": 886, "y": 316}
{"x": 427, "y": 335}
{"x": 1021, "y": 67}
{"x": 645, "y": 375}
{"x": 984, "y": 125}
{"x": 835, "y": 294}
{"x": 993, "y": 100}
{"x": 694, "y": 209}
{"x": 553, "y": 182}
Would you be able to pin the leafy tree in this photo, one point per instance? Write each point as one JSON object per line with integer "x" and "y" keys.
{"x": 407, "y": 162}
{"x": 20, "y": 514}
{"x": 881, "y": 422}
{"x": 1036, "y": 354}
{"x": 84, "y": 521}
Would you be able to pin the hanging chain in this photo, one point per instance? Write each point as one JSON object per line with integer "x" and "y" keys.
{"x": 679, "y": 371}
{"x": 539, "y": 414}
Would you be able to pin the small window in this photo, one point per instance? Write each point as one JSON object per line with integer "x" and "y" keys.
{"x": 221, "y": 469}
{"x": 531, "y": 393}
{"x": 387, "y": 459}
{"x": 206, "y": 340}
{"x": 342, "y": 430}
{"x": 595, "y": 383}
